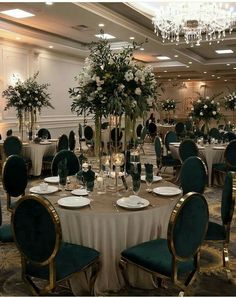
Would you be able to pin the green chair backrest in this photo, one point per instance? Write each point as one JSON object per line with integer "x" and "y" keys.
{"x": 228, "y": 198}
{"x": 193, "y": 175}
{"x": 14, "y": 176}
{"x": 139, "y": 130}
{"x": 170, "y": 136}
{"x": 230, "y": 153}
{"x": 158, "y": 147}
{"x": 179, "y": 128}
{"x": 152, "y": 128}
{"x": 63, "y": 143}
{"x": 36, "y": 229}
{"x": 73, "y": 164}
{"x": 187, "y": 148}
{"x": 12, "y": 146}
{"x": 88, "y": 133}
{"x": 72, "y": 140}
{"x": 0, "y": 213}
{"x": 214, "y": 133}
{"x": 80, "y": 131}
{"x": 188, "y": 225}
{"x": 116, "y": 132}
{"x": 188, "y": 125}
{"x": 143, "y": 133}
{"x": 44, "y": 133}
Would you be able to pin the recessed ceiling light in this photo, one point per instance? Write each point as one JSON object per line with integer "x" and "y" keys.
{"x": 169, "y": 79}
{"x": 234, "y": 68}
{"x": 190, "y": 62}
{"x": 204, "y": 72}
{"x": 159, "y": 76}
{"x": 224, "y": 51}
{"x": 187, "y": 66}
{"x": 163, "y": 58}
{"x": 165, "y": 70}
{"x": 213, "y": 75}
{"x": 49, "y": 3}
{"x": 179, "y": 75}
{"x": 17, "y": 13}
{"x": 228, "y": 64}
{"x": 188, "y": 78}
{"x": 50, "y": 46}
{"x": 141, "y": 48}
{"x": 132, "y": 38}
{"x": 218, "y": 77}
{"x": 176, "y": 56}
{"x": 18, "y": 38}
{"x": 101, "y": 25}
{"x": 105, "y": 36}
{"x": 226, "y": 80}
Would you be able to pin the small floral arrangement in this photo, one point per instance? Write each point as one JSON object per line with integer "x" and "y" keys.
{"x": 168, "y": 104}
{"x": 27, "y": 96}
{"x": 205, "y": 109}
{"x": 113, "y": 83}
{"x": 230, "y": 101}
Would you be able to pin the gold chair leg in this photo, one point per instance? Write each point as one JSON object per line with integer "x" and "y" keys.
{"x": 123, "y": 267}
{"x": 226, "y": 263}
{"x": 95, "y": 270}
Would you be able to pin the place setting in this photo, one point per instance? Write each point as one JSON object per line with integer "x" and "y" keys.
{"x": 43, "y": 188}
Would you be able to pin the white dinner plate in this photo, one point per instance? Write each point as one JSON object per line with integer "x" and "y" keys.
{"x": 79, "y": 192}
{"x": 219, "y": 147}
{"x": 132, "y": 202}
{"x": 49, "y": 190}
{"x": 73, "y": 202}
{"x": 174, "y": 143}
{"x": 167, "y": 191}
{"x": 45, "y": 142}
{"x": 156, "y": 178}
{"x": 200, "y": 147}
{"x": 52, "y": 179}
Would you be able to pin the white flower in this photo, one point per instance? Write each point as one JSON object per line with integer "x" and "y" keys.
{"x": 167, "y": 100}
{"x": 207, "y": 97}
{"x": 212, "y": 101}
{"x": 120, "y": 87}
{"x": 218, "y": 103}
{"x": 36, "y": 92}
{"x": 29, "y": 104}
{"x": 98, "y": 81}
{"x": 192, "y": 108}
{"x": 28, "y": 92}
{"x": 199, "y": 101}
{"x": 205, "y": 106}
{"x": 36, "y": 98}
{"x": 190, "y": 117}
{"x": 214, "y": 112}
{"x": 111, "y": 61}
{"x": 201, "y": 113}
{"x": 39, "y": 104}
{"x": 129, "y": 75}
{"x": 99, "y": 88}
{"x": 138, "y": 91}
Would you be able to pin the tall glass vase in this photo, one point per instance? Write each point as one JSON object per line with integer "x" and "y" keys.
{"x": 97, "y": 139}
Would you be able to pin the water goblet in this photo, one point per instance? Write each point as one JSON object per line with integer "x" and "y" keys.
{"x": 136, "y": 185}
{"x": 149, "y": 180}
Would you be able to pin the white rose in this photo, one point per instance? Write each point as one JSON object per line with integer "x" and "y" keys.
{"x": 201, "y": 113}
{"x": 199, "y": 101}
{"x": 129, "y": 75}
{"x": 214, "y": 112}
{"x": 212, "y": 101}
{"x": 111, "y": 61}
{"x": 138, "y": 91}
{"x": 36, "y": 99}
{"x": 36, "y": 92}
{"x": 28, "y": 92}
{"x": 29, "y": 104}
{"x": 120, "y": 87}
{"x": 99, "y": 88}
{"x": 190, "y": 117}
{"x": 205, "y": 106}
{"x": 192, "y": 108}
{"x": 207, "y": 97}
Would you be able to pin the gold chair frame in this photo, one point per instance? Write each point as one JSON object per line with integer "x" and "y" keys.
{"x": 50, "y": 286}
{"x": 175, "y": 258}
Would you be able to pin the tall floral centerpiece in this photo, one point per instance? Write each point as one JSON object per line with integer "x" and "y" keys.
{"x": 206, "y": 109}
{"x": 27, "y": 97}
{"x": 167, "y": 106}
{"x": 230, "y": 102}
{"x": 113, "y": 83}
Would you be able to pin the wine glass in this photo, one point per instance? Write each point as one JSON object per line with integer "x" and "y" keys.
{"x": 136, "y": 185}
{"x": 62, "y": 183}
{"x": 149, "y": 180}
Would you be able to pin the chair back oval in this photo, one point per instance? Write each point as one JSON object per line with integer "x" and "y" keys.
{"x": 193, "y": 175}
{"x": 187, "y": 148}
{"x": 228, "y": 198}
{"x": 143, "y": 133}
{"x": 170, "y": 136}
{"x": 73, "y": 164}
{"x": 118, "y": 132}
{"x": 188, "y": 225}
{"x": 188, "y": 125}
{"x": 230, "y": 136}
{"x": 41, "y": 237}
{"x": 139, "y": 130}
{"x": 44, "y": 133}
{"x": 104, "y": 125}
{"x": 14, "y": 176}
{"x": 72, "y": 140}
{"x": 9, "y": 132}
{"x": 63, "y": 143}
{"x": 158, "y": 147}
{"x": 215, "y": 133}
{"x": 179, "y": 128}
{"x": 12, "y": 146}
{"x": 88, "y": 133}
{"x": 80, "y": 131}
{"x": 152, "y": 128}
{"x": 230, "y": 154}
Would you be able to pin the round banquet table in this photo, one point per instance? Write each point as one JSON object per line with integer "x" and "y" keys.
{"x": 110, "y": 230}
{"x": 163, "y": 129}
{"x": 210, "y": 154}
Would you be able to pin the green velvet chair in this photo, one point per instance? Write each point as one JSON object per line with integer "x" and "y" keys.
{"x": 178, "y": 255}
{"x": 72, "y": 140}
{"x": 38, "y": 237}
{"x": 139, "y": 130}
{"x": 44, "y": 133}
{"x": 193, "y": 175}
{"x": 187, "y": 148}
{"x": 215, "y": 133}
{"x": 5, "y": 230}
{"x": 180, "y": 130}
{"x": 170, "y": 136}
{"x": 229, "y": 162}
{"x": 220, "y": 233}
{"x": 14, "y": 178}
{"x": 73, "y": 164}
{"x": 140, "y": 141}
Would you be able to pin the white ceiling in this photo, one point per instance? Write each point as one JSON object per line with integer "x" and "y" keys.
{"x": 70, "y": 27}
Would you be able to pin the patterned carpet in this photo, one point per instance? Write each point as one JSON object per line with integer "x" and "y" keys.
{"x": 211, "y": 281}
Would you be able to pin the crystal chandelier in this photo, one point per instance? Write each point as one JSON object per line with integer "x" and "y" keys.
{"x": 193, "y": 20}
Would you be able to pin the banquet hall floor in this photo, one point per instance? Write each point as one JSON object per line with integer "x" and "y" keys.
{"x": 211, "y": 281}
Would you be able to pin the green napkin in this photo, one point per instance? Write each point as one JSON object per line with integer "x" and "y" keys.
{"x": 62, "y": 171}
{"x": 149, "y": 172}
{"x": 89, "y": 177}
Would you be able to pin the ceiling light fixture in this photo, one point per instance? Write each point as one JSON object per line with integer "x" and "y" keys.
{"x": 176, "y": 56}
{"x": 191, "y": 20}
{"x": 132, "y": 38}
{"x": 163, "y": 58}
{"x": 17, "y": 13}
{"x": 18, "y": 38}
{"x": 101, "y": 25}
{"x": 141, "y": 48}
{"x": 105, "y": 36}
{"x": 50, "y": 46}
{"x": 228, "y": 64}
{"x": 224, "y": 51}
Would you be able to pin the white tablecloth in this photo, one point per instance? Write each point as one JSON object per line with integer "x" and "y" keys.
{"x": 36, "y": 152}
{"x": 111, "y": 232}
{"x": 208, "y": 154}
{"x": 163, "y": 129}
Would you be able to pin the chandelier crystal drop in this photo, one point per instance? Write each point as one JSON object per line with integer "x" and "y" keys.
{"x": 193, "y": 20}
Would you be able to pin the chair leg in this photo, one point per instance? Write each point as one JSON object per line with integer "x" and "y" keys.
{"x": 123, "y": 267}
{"x": 226, "y": 262}
{"x": 95, "y": 270}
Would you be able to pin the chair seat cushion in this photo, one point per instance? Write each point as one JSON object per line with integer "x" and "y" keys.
{"x": 69, "y": 259}
{"x": 6, "y": 233}
{"x": 215, "y": 232}
{"x": 155, "y": 256}
{"x": 170, "y": 161}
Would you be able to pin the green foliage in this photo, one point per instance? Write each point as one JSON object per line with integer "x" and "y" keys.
{"x": 168, "y": 104}
{"x": 230, "y": 101}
